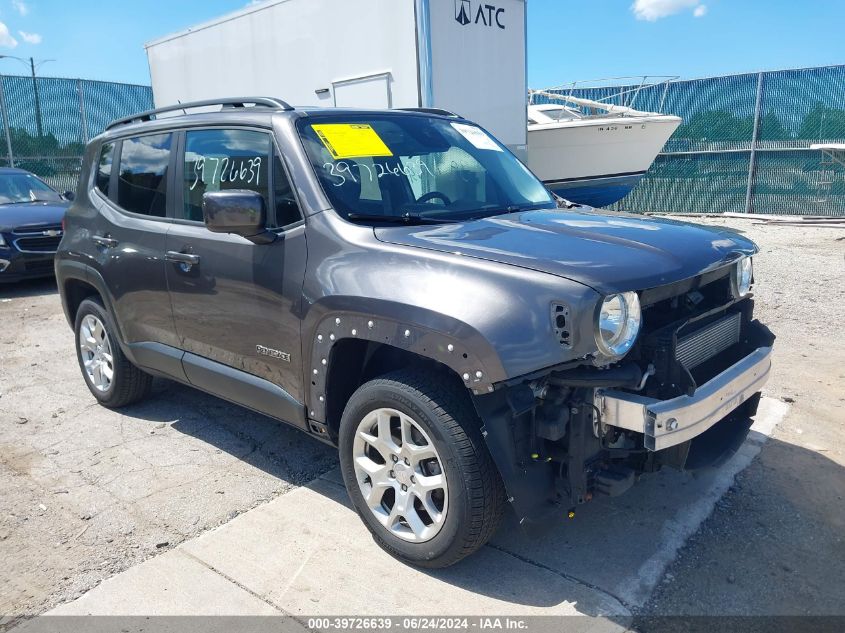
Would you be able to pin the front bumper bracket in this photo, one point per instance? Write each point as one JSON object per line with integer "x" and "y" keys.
{"x": 666, "y": 423}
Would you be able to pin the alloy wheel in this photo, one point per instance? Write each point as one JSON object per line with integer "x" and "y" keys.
{"x": 400, "y": 475}
{"x": 96, "y": 351}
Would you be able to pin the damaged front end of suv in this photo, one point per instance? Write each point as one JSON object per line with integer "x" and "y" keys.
{"x": 674, "y": 380}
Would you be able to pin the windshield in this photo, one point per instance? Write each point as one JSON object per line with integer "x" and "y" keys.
{"x": 15, "y": 188}
{"x": 395, "y": 166}
{"x": 561, "y": 113}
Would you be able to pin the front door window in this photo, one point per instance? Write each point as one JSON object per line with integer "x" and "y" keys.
{"x": 217, "y": 160}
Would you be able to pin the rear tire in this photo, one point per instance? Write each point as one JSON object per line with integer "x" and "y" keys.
{"x": 446, "y": 500}
{"x": 112, "y": 379}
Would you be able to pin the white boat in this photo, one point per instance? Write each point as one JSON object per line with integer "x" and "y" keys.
{"x": 593, "y": 152}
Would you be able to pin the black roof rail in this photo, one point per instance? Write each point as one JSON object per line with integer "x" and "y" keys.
{"x": 440, "y": 111}
{"x": 240, "y": 102}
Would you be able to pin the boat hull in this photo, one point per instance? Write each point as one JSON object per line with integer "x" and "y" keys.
{"x": 599, "y": 191}
{"x": 598, "y": 161}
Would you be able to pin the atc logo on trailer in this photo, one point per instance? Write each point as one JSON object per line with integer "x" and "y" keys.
{"x": 463, "y": 8}
{"x": 486, "y": 14}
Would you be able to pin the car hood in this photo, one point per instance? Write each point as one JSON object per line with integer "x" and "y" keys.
{"x": 31, "y": 213}
{"x": 610, "y": 252}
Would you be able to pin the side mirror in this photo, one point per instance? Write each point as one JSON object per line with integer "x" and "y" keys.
{"x": 237, "y": 211}
{"x": 69, "y": 196}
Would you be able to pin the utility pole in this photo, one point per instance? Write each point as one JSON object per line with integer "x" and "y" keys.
{"x": 11, "y": 154}
{"x": 32, "y": 68}
{"x": 37, "y": 99}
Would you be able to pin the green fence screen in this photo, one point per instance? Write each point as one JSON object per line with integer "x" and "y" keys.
{"x": 752, "y": 128}
{"x": 47, "y": 122}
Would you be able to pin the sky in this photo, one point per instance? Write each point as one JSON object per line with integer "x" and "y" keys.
{"x": 568, "y": 39}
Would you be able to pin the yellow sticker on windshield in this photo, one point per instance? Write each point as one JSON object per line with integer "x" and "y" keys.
{"x": 351, "y": 140}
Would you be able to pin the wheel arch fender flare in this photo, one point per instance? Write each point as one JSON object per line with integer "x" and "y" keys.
{"x": 424, "y": 333}
{"x": 68, "y": 271}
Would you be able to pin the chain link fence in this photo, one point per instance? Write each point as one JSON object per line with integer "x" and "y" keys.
{"x": 47, "y": 121}
{"x": 744, "y": 145}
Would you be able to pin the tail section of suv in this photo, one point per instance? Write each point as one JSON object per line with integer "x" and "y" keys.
{"x": 398, "y": 284}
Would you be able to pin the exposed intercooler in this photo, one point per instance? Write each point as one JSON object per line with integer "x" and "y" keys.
{"x": 709, "y": 341}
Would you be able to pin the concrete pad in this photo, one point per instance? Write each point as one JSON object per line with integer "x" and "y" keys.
{"x": 170, "y": 624}
{"x": 308, "y": 553}
{"x": 170, "y": 584}
{"x": 622, "y": 545}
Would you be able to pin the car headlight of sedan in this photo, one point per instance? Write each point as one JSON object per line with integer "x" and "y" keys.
{"x": 741, "y": 277}
{"x": 618, "y": 320}
{"x": 2, "y": 241}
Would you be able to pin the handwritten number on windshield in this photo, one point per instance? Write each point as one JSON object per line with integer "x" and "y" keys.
{"x": 342, "y": 170}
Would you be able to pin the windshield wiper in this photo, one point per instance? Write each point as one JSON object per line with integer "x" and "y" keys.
{"x": 563, "y": 203}
{"x": 494, "y": 211}
{"x": 407, "y": 218}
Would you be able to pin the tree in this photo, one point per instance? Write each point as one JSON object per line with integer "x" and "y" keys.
{"x": 716, "y": 125}
{"x": 823, "y": 123}
{"x": 771, "y": 128}
{"x": 25, "y": 144}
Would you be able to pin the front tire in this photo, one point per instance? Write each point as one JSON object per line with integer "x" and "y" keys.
{"x": 417, "y": 470}
{"x": 112, "y": 379}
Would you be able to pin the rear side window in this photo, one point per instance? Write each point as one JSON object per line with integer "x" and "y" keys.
{"x": 104, "y": 168}
{"x": 142, "y": 185}
{"x": 217, "y": 160}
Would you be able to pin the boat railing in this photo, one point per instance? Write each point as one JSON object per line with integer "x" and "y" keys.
{"x": 620, "y": 91}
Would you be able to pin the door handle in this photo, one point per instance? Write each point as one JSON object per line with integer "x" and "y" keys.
{"x": 104, "y": 240}
{"x": 186, "y": 259}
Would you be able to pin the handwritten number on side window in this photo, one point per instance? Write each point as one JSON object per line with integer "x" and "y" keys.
{"x": 245, "y": 172}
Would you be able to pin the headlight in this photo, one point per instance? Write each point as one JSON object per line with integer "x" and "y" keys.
{"x": 741, "y": 278}
{"x": 2, "y": 241}
{"x": 618, "y": 323}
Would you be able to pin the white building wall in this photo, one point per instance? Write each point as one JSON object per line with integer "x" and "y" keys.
{"x": 289, "y": 49}
{"x": 478, "y": 67}
{"x": 467, "y": 56}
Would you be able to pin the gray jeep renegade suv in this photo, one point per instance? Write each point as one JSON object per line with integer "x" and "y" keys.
{"x": 398, "y": 284}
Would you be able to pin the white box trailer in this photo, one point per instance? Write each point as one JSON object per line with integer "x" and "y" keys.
{"x": 466, "y": 56}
